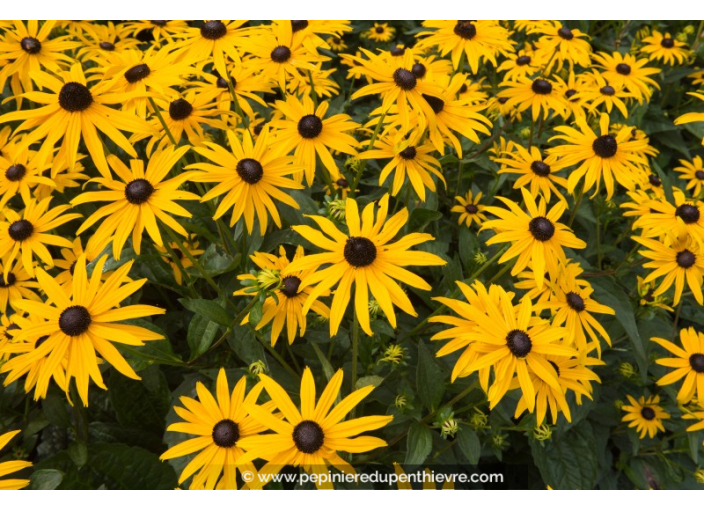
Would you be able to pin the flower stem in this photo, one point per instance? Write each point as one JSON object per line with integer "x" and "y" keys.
{"x": 163, "y": 122}
{"x": 363, "y": 164}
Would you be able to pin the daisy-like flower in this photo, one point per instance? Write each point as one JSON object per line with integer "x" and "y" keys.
{"x": 470, "y": 209}
{"x": 250, "y": 175}
{"x": 688, "y": 364}
{"x": 68, "y": 262}
{"x": 559, "y": 44}
{"x": 477, "y": 40}
{"x": 627, "y": 71}
{"x": 310, "y": 436}
{"x": 75, "y": 112}
{"x": 646, "y": 292}
{"x": 693, "y": 173}
{"x": 311, "y": 30}
{"x": 575, "y": 105}
{"x": 690, "y": 117}
{"x": 602, "y": 156}
{"x": 600, "y": 92}
{"x": 287, "y": 307}
{"x": 163, "y": 31}
{"x": 21, "y": 170}
{"x": 536, "y": 238}
{"x": 645, "y": 415}
{"x": 665, "y": 48}
{"x": 311, "y": 83}
{"x": 522, "y": 63}
{"x": 685, "y": 217}
{"x": 679, "y": 262}
{"x": 697, "y": 414}
{"x": 540, "y": 95}
{"x": 366, "y": 257}
{"x": 305, "y": 131}
{"x": 104, "y": 41}
{"x": 220, "y": 423}
{"x": 191, "y": 246}
{"x": 534, "y": 170}
{"x": 12, "y": 466}
{"x": 137, "y": 200}
{"x": 409, "y": 157}
{"x": 15, "y": 284}
{"x": 25, "y": 233}
{"x": 380, "y": 32}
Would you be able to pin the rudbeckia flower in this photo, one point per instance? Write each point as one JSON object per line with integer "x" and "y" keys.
{"x": 21, "y": 170}
{"x": 470, "y": 209}
{"x": 688, "y": 364}
{"x": 665, "y": 48}
{"x": 645, "y": 415}
{"x": 627, "y": 71}
{"x": 535, "y": 171}
{"x": 15, "y": 284}
{"x": 540, "y": 95}
{"x": 163, "y": 31}
{"x": 192, "y": 247}
{"x": 684, "y": 218}
{"x": 104, "y": 41}
{"x": 559, "y": 44}
{"x": 12, "y": 466}
{"x": 693, "y": 172}
{"x": 380, "y": 32}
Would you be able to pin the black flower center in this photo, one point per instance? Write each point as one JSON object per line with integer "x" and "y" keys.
{"x": 289, "y": 286}
{"x": 540, "y": 168}
{"x": 74, "y": 320}
{"x": 342, "y": 182}
{"x": 310, "y": 126}
{"x": 298, "y": 24}
{"x": 359, "y": 251}
{"x": 503, "y": 100}
{"x": 688, "y": 213}
{"x": 697, "y": 362}
{"x": 565, "y": 33}
{"x": 605, "y": 146}
{"x": 647, "y": 413}
{"x": 379, "y": 30}
{"x": 575, "y": 301}
{"x": 226, "y": 433}
{"x": 250, "y": 170}
{"x": 159, "y": 22}
{"x": 523, "y": 60}
{"x": 138, "y": 191}
{"x": 471, "y": 208}
{"x": 10, "y": 280}
{"x": 280, "y": 54}
{"x": 649, "y": 296}
{"x": 541, "y": 228}
{"x": 75, "y": 97}
{"x": 408, "y": 153}
{"x": 308, "y": 436}
{"x": 654, "y": 180}
{"x": 15, "y": 172}
{"x": 31, "y": 45}
{"x": 667, "y": 42}
{"x": 137, "y": 73}
{"x": 20, "y": 230}
{"x": 435, "y": 103}
{"x": 623, "y": 69}
{"x": 405, "y": 79}
{"x": 465, "y": 29}
{"x": 699, "y": 174}
{"x": 519, "y": 343}
{"x": 180, "y": 109}
{"x": 418, "y": 70}
{"x": 107, "y": 46}
{"x": 222, "y": 83}
{"x": 397, "y": 51}
{"x": 213, "y": 30}
{"x": 607, "y": 90}
{"x": 570, "y": 93}
{"x": 541, "y": 86}
{"x": 686, "y": 259}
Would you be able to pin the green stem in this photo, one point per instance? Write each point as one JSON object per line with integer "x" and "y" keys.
{"x": 575, "y": 208}
{"x": 363, "y": 164}
{"x": 163, "y": 122}
{"x": 355, "y": 350}
{"x": 275, "y": 354}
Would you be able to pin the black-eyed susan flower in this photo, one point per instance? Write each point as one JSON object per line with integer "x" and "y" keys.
{"x": 12, "y": 466}
{"x": 664, "y": 48}
{"x": 696, "y": 414}
{"x": 523, "y": 63}
{"x": 693, "y": 173}
{"x": 15, "y": 284}
{"x": 646, "y": 291}
{"x": 598, "y": 92}
{"x": 380, "y": 32}
{"x": 691, "y": 116}
{"x": 602, "y": 157}
{"x": 163, "y": 31}
{"x": 312, "y": 434}
{"x": 645, "y": 415}
{"x": 470, "y": 209}
{"x": 192, "y": 247}
{"x": 536, "y": 172}
{"x": 73, "y": 112}
{"x": 540, "y": 95}
{"x": 21, "y": 170}
{"x": 684, "y": 218}
{"x": 219, "y": 422}
{"x": 251, "y": 175}
{"x": 688, "y": 364}
{"x": 678, "y": 261}
{"x": 137, "y": 200}
{"x": 286, "y": 309}
{"x": 627, "y": 71}
{"x": 536, "y": 237}
{"x": 366, "y": 257}
{"x": 79, "y": 323}
{"x": 306, "y": 132}
{"x": 25, "y": 234}
{"x": 559, "y": 44}
{"x": 103, "y": 41}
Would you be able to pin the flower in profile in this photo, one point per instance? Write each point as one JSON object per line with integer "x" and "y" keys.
{"x": 602, "y": 156}
{"x": 304, "y": 130}
{"x": 664, "y": 48}
{"x": 79, "y": 323}
{"x": 249, "y": 175}
{"x": 647, "y": 298}
{"x": 693, "y": 173}
{"x": 559, "y": 44}
{"x": 287, "y": 307}
{"x": 191, "y": 246}
{"x": 12, "y": 466}
{"x": 645, "y": 415}
{"x": 534, "y": 170}
{"x": 536, "y": 237}
{"x": 627, "y": 71}
{"x": 470, "y": 209}
{"x": 220, "y": 424}
{"x": 688, "y": 364}
{"x": 312, "y": 434}
{"x": 366, "y": 257}
{"x": 25, "y": 234}
{"x": 540, "y": 95}
{"x": 72, "y": 111}
{"x": 380, "y": 32}
{"x": 137, "y": 201}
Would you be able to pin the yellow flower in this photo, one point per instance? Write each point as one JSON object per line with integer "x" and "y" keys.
{"x": 380, "y": 32}
{"x": 688, "y": 363}
{"x": 645, "y": 415}
{"x": 12, "y": 466}
{"x": 469, "y": 209}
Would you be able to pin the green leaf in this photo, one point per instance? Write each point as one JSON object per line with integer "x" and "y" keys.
{"x": 256, "y": 313}
{"x": 118, "y": 466}
{"x": 201, "y": 333}
{"x": 369, "y": 380}
{"x": 430, "y": 379}
{"x": 419, "y": 444}
{"x": 216, "y": 261}
{"x": 420, "y": 218}
{"x": 45, "y": 479}
{"x": 327, "y": 367}
{"x": 209, "y": 309}
{"x": 468, "y": 442}
{"x": 141, "y": 404}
